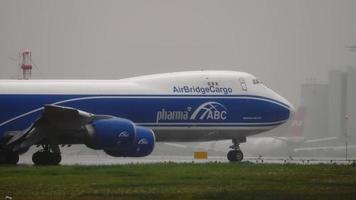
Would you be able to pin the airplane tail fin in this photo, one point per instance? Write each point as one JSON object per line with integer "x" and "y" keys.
{"x": 297, "y": 124}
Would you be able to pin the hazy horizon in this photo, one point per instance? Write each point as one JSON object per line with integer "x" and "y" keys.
{"x": 283, "y": 42}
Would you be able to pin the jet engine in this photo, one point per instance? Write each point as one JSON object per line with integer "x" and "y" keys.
{"x": 143, "y": 145}
{"x": 120, "y": 137}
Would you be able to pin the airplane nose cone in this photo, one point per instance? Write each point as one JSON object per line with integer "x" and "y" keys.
{"x": 291, "y": 110}
{"x": 290, "y": 106}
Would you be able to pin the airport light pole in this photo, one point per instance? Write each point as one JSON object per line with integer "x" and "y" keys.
{"x": 351, "y": 48}
{"x": 346, "y": 147}
{"x": 346, "y": 135}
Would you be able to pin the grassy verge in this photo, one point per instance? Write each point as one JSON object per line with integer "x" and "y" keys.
{"x": 179, "y": 181}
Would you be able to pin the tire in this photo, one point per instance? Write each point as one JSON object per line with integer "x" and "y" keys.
{"x": 231, "y": 156}
{"x": 9, "y": 158}
{"x": 37, "y": 158}
{"x": 235, "y": 156}
{"x": 46, "y": 158}
{"x": 3, "y": 158}
{"x": 239, "y": 156}
{"x": 12, "y": 158}
{"x": 55, "y": 158}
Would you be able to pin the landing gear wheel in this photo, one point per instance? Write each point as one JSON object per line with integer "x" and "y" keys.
{"x": 46, "y": 158}
{"x": 231, "y": 156}
{"x": 56, "y": 158}
{"x": 38, "y": 158}
{"x": 235, "y": 156}
{"x": 239, "y": 156}
{"x": 9, "y": 157}
{"x": 12, "y": 158}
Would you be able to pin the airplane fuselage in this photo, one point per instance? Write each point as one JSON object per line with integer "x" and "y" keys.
{"x": 183, "y": 106}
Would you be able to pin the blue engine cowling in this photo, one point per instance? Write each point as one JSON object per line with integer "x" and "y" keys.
{"x": 120, "y": 137}
{"x": 111, "y": 133}
{"x": 143, "y": 145}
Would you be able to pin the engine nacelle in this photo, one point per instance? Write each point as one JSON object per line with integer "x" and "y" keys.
{"x": 120, "y": 137}
{"x": 143, "y": 145}
{"x": 111, "y": 133}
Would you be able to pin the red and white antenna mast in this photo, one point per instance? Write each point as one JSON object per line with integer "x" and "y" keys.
{"x": 26, "y": 63}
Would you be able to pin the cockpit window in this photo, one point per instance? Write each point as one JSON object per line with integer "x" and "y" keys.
{"x": 256, "y": 81}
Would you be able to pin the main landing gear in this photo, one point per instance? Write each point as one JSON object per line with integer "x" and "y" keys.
{"x": 8, "y": 157}
{"x": 49, "y": 155}
{"x": 236, "y": 155}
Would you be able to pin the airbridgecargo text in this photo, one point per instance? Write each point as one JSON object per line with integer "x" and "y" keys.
{"x": 202, "y": 89}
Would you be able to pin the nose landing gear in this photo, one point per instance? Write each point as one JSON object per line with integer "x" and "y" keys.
{"x": 236, "y": 155}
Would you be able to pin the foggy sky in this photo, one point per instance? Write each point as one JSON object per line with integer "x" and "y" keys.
{"x": 283, "y": 42}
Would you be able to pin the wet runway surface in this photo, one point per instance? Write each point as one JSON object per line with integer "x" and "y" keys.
{"x": 107, "y": 160}
{"x": 80, "y": 155}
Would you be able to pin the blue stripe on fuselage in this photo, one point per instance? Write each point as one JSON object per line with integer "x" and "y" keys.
{"x": 17, "y": 112}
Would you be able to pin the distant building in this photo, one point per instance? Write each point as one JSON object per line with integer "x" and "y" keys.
{"x": 336, "y": 103}
{"x": 314, "y": 97}
{"x": 331, "y": 108}
{"x": 351, "y": 103}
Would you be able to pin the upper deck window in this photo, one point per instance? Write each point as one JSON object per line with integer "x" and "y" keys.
{"x": 243, "y": 84}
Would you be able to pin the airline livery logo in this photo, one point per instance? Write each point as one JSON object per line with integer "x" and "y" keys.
{"x": 143, "y": 141}
{"x": 124, "y": 134}
{"x": 207, "y": 111}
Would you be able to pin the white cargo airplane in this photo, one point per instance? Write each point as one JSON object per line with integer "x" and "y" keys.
{"x": 126, "y": 117}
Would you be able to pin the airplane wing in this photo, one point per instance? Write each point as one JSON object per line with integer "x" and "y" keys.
{"x": 53, "y": 120}
{"x": 65, "y": 126}
{"x": 65, "y": 117}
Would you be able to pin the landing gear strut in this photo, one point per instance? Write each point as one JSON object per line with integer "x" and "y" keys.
{"x": 46, "y": 156}
{"x": 236, "y": 155}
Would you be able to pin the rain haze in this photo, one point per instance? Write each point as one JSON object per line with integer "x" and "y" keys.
{"x": 283, "y": 42}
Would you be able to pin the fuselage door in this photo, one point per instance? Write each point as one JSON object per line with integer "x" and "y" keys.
{"x": 243, "y": 84}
